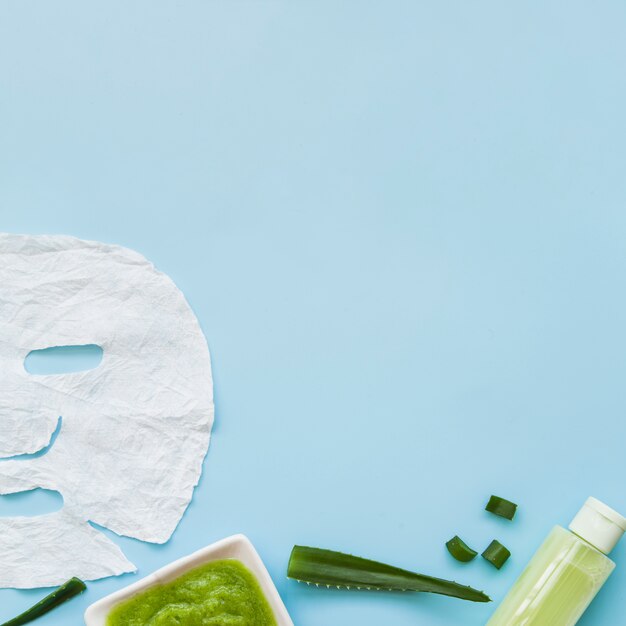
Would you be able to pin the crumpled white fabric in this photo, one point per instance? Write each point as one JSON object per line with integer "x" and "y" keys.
{"x": 134, "y": 430}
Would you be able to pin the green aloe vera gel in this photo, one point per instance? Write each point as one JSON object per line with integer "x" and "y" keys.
{"x": 566, "y": 573}
{"x": 223, "y": 593}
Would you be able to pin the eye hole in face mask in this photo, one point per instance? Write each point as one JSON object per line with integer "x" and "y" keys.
{"x": 63, "y": 359}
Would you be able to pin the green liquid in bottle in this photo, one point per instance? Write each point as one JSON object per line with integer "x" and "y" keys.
{"x": 566, "y": 573}
{"x": 558, "y": 584}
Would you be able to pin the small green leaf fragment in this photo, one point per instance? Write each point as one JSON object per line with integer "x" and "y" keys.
{"x": 496, "y": 554}
{"x": 501, "y": 507}
{"x": 329, "y": 568}
{"x": 460, "y": 550}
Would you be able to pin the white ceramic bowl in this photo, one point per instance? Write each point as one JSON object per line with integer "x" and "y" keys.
{"x": 235, "y": 547}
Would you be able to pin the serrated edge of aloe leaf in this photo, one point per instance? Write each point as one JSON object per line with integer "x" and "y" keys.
{"x": 329, "y": 568}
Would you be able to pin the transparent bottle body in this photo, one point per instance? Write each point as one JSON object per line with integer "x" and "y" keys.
{"x": 558, "y": 584}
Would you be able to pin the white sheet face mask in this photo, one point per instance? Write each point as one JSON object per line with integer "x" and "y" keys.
{"x": 134, "y": 430}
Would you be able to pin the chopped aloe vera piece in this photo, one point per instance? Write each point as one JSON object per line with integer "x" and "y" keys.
{"x": 335, "y": 569}
{"x": 496, "y": 554}
{"x": 460, "y": 550}
{"x": 68, "y": 590}
{"x": 501, "y": 507}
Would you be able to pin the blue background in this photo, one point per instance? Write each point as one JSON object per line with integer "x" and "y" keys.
{"x": 402, "y": 227}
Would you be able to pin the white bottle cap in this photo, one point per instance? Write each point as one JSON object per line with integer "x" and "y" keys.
{"x": 599, "y": 525}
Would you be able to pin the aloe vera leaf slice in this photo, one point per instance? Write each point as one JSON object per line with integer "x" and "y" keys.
{"x": 336, "y": 569}
{"x": 496, "y": 554}
{"x": 68, "y": 590}
{"x": 501, "y": 507}
{"x": 460, "y": 550}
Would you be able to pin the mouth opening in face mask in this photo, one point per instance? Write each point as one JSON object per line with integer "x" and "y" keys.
{"x": 31, "y": 503}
